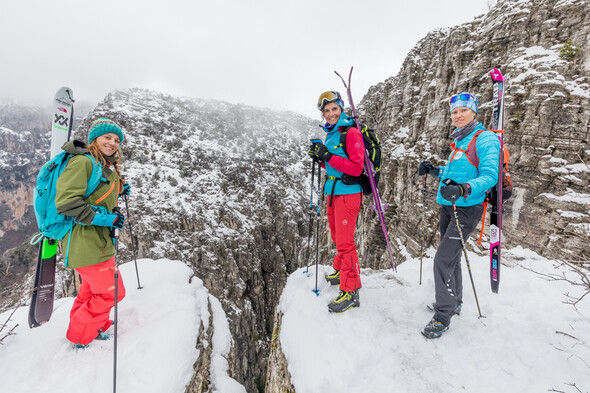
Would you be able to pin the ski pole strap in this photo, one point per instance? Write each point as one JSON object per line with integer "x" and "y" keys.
{"x": 483, "y": 221}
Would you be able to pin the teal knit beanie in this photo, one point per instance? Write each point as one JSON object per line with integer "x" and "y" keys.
{"x": 103, "y": 126}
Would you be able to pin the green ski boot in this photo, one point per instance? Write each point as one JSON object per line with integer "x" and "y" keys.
{"x": 344, "y": 301}
{"x": 334, "y": 277}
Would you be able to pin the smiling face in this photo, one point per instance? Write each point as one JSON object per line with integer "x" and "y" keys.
{"x": 462, "y": 116}
{"x": 331, "y": 113}
{"x": 108, "y": 144}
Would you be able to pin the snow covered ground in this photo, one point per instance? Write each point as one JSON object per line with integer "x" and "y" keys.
{"x": 530, "y": 340}
{"x": 157, "y": 335}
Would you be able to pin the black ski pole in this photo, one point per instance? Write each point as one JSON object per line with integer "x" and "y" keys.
{"x": 422, "y": 236}
{"x": 310, "y": 233}
{"x": 466, "y": 258}
{"x": 132, "y": 241}
{"x": 317, "y": 236}
{"x": 115, "y": 235}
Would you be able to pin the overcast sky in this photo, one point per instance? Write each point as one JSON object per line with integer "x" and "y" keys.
{"x": 269, "y": 53}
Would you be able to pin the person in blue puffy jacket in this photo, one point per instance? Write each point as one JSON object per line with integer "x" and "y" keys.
{"x": 345, "y": 195}
{"x": 464, "y": 183}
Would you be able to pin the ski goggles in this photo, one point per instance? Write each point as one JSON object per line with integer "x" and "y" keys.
{"x": 328, "y": 97}
{"x": 467, "y": 100}
{"x": 464, "y": 97}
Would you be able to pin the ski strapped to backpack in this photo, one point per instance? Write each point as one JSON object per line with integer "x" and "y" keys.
{"x": 52, "y": 224}
{"x": 378, "y": 206}
{"x": 373, "y": 149}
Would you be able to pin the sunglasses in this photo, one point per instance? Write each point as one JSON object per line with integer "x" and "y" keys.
{"x": 464, "y": 97}
{"x": 327, "y": 97}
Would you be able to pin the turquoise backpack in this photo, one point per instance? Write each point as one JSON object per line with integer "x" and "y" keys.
{"x": 52, "y": 224}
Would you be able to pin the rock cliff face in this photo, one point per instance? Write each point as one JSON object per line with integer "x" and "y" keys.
{"x": 23, "y": 141}
{"x": 543, "y": 48}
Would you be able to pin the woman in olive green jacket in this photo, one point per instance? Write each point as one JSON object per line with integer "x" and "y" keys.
{"x": 89, "y": 249}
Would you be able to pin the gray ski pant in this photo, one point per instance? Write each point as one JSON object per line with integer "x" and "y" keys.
{"x": 448, "y": 283}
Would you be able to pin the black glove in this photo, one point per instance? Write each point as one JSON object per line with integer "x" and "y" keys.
{"x": 311, "y": 153}
{"x": 321, "y": 151}
{"x": 426, "y": 167}
{"x": 453, "y": 190}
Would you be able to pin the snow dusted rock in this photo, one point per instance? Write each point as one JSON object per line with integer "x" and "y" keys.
{"x": 547, "y": 123}
{"x": 278, "y": 378}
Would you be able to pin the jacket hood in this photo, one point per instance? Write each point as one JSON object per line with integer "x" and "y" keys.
{"x": 75, "y": 147}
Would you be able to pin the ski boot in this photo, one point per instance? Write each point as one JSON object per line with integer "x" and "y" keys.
{"x": 334, "y": 277}
{"x": 434, "y": 329}
{"x": 344, "y": 301}
{"x": 103, "y": 336}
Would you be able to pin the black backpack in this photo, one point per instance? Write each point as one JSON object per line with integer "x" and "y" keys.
{"x": 373, "y": 148}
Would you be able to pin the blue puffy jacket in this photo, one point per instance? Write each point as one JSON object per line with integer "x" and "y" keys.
{"x": 461, "y": 170}
{"x": 351, "y": 163}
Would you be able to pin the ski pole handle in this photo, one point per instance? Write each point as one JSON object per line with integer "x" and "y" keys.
{"x": 115, "y": 231}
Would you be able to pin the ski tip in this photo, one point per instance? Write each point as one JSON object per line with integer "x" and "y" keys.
{"x": 496, "y": 75}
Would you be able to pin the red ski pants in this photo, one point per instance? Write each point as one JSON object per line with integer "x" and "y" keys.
{"x": 92, "y": 307}
{"x": 342, "y": 217}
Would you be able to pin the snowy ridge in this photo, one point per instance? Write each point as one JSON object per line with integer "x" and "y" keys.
{"x": 530, "y": 340}
{"x": 158, "y": 328}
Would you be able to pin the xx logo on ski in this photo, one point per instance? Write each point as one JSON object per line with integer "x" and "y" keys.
{"x": 62, "y": 120}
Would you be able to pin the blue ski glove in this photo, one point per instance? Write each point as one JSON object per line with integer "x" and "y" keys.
{"x": 126, "y": 189}
{"x": 426, "y": 167}
{"x": 453, "y": 190}
{"x": 321, "y": 151}
{"x": 111, "y": 220}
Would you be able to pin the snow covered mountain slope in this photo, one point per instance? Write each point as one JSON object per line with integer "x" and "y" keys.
{"x": 158, "y": 328}
{"x": 530, "y": 340}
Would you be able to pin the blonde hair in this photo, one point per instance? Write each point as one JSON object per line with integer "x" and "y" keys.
{"x": 94, "y": 151}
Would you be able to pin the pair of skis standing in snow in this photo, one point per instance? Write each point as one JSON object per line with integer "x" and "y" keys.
{"x": 462, "y": 191}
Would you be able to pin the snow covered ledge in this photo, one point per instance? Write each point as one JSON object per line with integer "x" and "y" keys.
{"x": 159, "y": 326}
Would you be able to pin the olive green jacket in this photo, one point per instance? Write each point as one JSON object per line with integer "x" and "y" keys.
{"x": 85, "y": 244}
